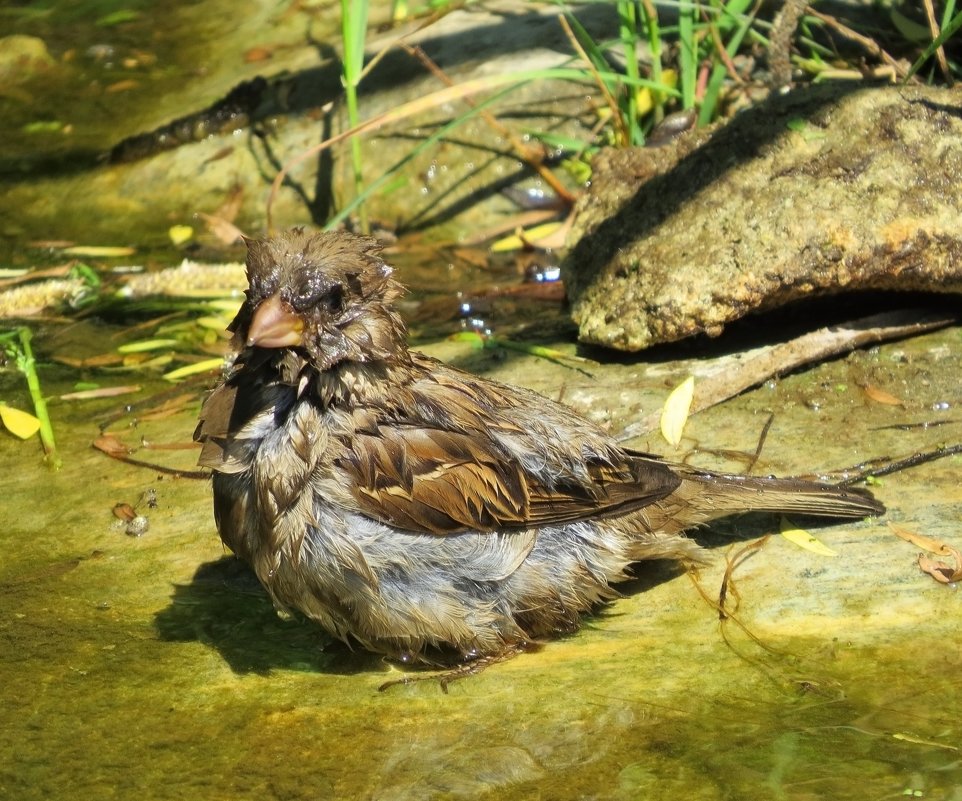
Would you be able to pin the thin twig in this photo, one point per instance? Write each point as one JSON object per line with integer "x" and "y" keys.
{"x": 534, "y": 158}
{"x": 616, "y": 118}
{"x": 761, "y": 443}
{"x": 439, "y": 98}
{"x": 863, "y": 471}
{"x": 721, "y": 51}
{"x": 935, "y": 32}
{"x": 780, "y": 41}
{"x": 728, "y": 381}
{"x": 869, "y": 44}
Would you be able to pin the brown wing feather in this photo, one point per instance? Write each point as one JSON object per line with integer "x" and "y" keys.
{"x": 447, "y": 482}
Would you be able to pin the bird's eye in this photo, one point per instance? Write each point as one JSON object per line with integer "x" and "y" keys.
{"x": 330, "y": 298}
{"x": 333, "y": 299}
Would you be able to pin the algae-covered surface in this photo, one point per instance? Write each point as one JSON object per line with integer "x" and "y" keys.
{"x": 154, "y": 665}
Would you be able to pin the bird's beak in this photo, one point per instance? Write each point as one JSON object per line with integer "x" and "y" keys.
{"x": 275, "y": 325}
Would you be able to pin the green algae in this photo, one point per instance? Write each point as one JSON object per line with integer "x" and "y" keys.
{"x": 155, "y": 665}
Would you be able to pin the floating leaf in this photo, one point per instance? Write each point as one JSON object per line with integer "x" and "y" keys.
{"x": 101, "y": 392}
{"x": 914, "y": 738}
{"x": 873, "y": 393}
{"x": 99, "y": 251}
{"x": 179, "y": 234}
{"x": 926, "y": 543}
{"x": 193, "y": 369}
{"x": 675, "y": 413}
{"x": 213, "y": 323}
{"x": 121, "y": 86}
{"x": 135, "y": 361}
{"x": 19, "y": 423}
{"x": 473, "y": 338}
{"x": 118, "y": 17}
{"x": 941, "y": 572}
{"x": 42, "y": 126}
{"x": 527, "y": 238}
{"x": 803, "y": 539}
{"x": 143, "y": 345}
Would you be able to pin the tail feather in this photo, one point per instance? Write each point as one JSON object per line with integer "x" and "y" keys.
{"x": 717, "y": 494}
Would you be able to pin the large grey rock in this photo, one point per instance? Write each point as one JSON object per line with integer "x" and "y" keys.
{"x": 825, "y": 190}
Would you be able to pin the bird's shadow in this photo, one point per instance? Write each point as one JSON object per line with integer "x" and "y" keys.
{"x": 225, "y": 608}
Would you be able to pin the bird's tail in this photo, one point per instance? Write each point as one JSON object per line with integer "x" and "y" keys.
{"x": 718, "y": 494}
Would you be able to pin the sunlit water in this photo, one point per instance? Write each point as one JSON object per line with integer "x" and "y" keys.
{"x": 155, "y": 667}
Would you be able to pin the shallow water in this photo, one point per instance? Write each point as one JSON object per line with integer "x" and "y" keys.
{"x": 155, "y": 664}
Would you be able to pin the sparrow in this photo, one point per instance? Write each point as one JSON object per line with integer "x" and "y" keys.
{"x": 424, "y": 513}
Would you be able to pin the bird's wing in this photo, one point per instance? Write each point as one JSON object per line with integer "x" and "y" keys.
{"x": 475, "y": 456}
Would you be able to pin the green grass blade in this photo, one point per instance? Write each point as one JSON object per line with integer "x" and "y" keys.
{"x": 954, "y": 24}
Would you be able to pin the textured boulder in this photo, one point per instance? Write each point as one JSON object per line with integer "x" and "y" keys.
{"x": 824, "y": 190}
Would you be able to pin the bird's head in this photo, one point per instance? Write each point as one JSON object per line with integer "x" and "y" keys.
{"x": 327, "y": 294}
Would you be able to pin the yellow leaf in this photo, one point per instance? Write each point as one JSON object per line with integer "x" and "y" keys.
{"x": 648, "y": 99}
{"x": 225, "y": 305}
{"x": 675, "y": 414}
{"x": 180, "y": 233}
{"x": 213, "y": 323}
{"x": 18, "y": 423}
{"x": 525, "y": 238}
{"x": 99, "y": 251}
{"x": 803, "y": 539}
{"x": 144, "y": 345}
{"x": 193, "y": 369}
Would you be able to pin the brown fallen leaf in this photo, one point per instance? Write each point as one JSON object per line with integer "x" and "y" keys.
{"x": 103, "y": 360}
{"x": 101, "y": 392}
{"x": 940, "y": 571}
{"x": 926, "y": 543}
{"x": 873, "y": 393}
{"x": 124, "y": 511}
{"x": 122, "y": 86}
{"x": 112, "y": 446}
{"x": 224, "y": 231}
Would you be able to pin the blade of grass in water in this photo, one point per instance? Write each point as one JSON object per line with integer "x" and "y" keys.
{"x": 27, "y": 365}
{"x": 447, "y": 95}
{"x": 435, "y": 137}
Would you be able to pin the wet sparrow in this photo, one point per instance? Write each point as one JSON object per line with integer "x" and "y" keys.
{"x": 414, "y": 508}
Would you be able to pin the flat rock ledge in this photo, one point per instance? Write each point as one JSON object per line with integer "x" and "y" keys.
{"x": 823, "y": 190}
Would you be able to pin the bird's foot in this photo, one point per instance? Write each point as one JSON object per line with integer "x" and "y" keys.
{"x": 470, "y": 668}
